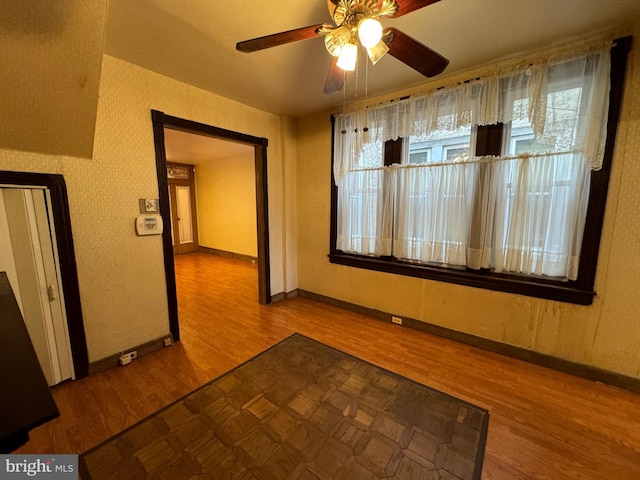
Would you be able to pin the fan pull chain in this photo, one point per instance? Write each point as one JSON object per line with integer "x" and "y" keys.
{"x": 366, "y": 96}
{"x": 344, "y": 98}
{"x": 357, "y": 106}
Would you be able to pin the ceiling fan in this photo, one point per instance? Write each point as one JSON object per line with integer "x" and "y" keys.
{"x": 358, "y": 21}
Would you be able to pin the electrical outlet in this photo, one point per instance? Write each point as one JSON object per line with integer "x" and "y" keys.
{"x": 168, "y": 341}
{"x": 125, "y": 358}
{"x": 396, "y": 320}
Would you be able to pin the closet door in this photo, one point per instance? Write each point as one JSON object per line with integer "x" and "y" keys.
{"x": 29, "y": 239}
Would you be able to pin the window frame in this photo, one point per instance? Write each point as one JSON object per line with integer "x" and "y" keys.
{"x": 489, "y": 139}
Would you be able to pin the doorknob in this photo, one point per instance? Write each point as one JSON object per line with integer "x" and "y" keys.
{"x": 51, "y": 293}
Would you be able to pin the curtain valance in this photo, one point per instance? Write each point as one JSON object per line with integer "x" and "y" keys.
{"x": 564, "y": 100}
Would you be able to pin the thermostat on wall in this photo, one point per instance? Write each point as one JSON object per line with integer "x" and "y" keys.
{"x": 148, "y": 225}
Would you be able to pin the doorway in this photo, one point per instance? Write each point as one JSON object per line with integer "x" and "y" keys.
{"x": 29, "y": 256}
{"x": 161, "y": 121}
{"x": 182, "y": 202}
{"x": 41, "y": 230}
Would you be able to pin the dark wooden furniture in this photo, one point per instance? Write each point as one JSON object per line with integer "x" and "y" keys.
{"x": 25, "y": 399}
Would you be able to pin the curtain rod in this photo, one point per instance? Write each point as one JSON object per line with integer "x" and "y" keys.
{"x": 477, "y": 160}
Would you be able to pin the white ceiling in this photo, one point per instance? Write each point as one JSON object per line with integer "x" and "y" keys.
{"x": 193, "y": 149}
{"x": 194, "y": 42}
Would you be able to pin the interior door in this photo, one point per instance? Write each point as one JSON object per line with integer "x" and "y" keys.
{"x": 184, "y": 230}
{"x": 31, "y": 240}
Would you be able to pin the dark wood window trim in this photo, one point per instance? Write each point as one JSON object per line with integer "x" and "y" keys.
{"x": 580, "y": 291}
{"x": 393, "y": 150}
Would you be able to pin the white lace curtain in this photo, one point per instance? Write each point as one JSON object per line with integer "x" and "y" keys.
{"x": 519, "y": 92}
{"x": 521, "y": 213}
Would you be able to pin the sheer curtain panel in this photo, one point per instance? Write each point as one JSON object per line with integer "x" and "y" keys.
{"x": 521, "y": 210}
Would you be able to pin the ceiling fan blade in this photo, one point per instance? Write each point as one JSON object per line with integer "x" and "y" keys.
{"x": 276, "y": 39}
{"x": 407, "y": 6}
{"x": 413, "y": 53}
{"x": 336, "y": 78}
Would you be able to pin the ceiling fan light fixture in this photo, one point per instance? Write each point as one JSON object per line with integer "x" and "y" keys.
{"x": 355, "y": 23}
{"x": 332, "y": 46}
{"x": 369, "y": 32}
{"x": 377, "y": 51}
{"x": 337, "y": 38}
{"x": 348, "y": 56}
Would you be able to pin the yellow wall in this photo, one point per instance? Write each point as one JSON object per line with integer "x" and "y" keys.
{"x": 122, "y": 283}
{"x": 226, "y": 191}
{"x": 605, "y": 334}
{"x": 289, "y": 204}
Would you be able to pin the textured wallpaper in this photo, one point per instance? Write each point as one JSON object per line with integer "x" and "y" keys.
{"x": 121, "y": 275}
{"x": 133, "y": 271}
{"x": 605, "y": 334}
{"x": 54, "y": 50}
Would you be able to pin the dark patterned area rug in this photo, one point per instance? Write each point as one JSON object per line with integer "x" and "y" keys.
{"x": 301, "y": 410}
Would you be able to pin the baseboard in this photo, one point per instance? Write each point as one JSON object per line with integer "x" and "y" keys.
{"x": 223, "y": 253}
{"x": 114, "y": 360}
{"x": 580, "y": 370}
{"x": 284, "y": 296}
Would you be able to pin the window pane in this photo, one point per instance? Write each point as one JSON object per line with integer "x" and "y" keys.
{"x": 432, "y": 208}
{"x": 442, "y": 146}
{"x": 539, "y": 223}
{"x": 362, "y": 215}
{"x": 419, "y": 156}
{"x": 457, "y": 154}
{"x": 539, "y": 220}
{"x": 432, "y": 202}
{"x": 527, "y": 145}
{"x": 522, "y": 140}
{"x": 560, "y": 127}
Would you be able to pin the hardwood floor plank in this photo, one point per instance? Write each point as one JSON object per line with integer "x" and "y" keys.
{"x": 543, "y": 424}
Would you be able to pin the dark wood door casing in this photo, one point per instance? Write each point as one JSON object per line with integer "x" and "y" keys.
{"x": 160, "y": 121}
{"x": 66, "y": 254}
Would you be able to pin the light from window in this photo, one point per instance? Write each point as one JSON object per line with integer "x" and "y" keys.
{"x": 457, "y": 154}
{"x": 416, "y": 157}
{"x": 501, "y": 187}
{"x": 439, "y": 147}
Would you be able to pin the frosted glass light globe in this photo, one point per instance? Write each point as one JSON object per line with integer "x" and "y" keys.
{"x": 347, "y": 58}
{"x": 369, "y": 32}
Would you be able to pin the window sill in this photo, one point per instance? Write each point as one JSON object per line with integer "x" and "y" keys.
{"x": 567, "y": 292}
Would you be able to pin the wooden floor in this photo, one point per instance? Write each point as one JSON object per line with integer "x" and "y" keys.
{"x": 543, "y": 424}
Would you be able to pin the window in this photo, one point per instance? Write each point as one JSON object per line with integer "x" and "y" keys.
{"x": 490, "y": 183}
{"x": 457, "y": 153}
{"x": 418, "y": 155}
{"x": 438, "y": 147}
